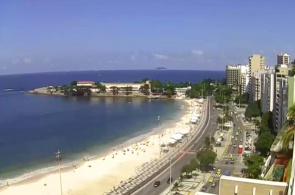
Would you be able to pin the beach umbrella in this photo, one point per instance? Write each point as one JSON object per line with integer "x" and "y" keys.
{"x": 176, "y": 137}
{"x": 184, "y": 131}
{"x": 171, "y": 141}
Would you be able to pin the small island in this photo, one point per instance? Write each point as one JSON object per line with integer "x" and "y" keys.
{"x": 161, "y": 68}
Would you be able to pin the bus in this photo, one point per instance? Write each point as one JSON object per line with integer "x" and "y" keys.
{"x": 240, "y": 149}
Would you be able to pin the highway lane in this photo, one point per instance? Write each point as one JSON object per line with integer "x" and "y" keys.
{"x": 163, "y": 177}
{"x": 237, "y": 166}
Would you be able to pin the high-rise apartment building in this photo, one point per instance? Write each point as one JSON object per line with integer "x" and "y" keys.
{"x": 256, "y": 62}
{"x": 280, "y": 96}
{"x": 233, "y": 75}
{"x": 236, "y": 75}
{"x": 283, "y": 58}
{"x": 255, "y": 85}
{"x": 267, "y": 91}
{"x": 245, "y": 79}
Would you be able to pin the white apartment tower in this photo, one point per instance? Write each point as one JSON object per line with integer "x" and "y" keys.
{"x": 283, "y": 58}
{"x": 267, "y": 91}
{"x": 255, "y": 85}
{"x": 280, "y": 96}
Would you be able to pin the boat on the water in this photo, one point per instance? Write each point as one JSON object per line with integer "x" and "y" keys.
{"x": 6, "y": 90}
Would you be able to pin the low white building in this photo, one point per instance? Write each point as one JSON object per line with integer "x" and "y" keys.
{"x": 121, "y": 87}
{"x": 182, "y": 91}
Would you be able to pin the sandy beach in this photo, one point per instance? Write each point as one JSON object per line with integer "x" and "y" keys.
{"x": 100, "y": 175}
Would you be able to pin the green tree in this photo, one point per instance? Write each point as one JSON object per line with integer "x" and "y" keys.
{"x": 169, "y": 93}
{"x": 128, "y": 90}
{"x": 186, "y": 169}
{"x": 114, "y": 90}
{"x": 74, "y": 83}
{"x": 219, "y": 120}
{"x": 252, "y": 110}
{"x": 289, "y": 126}
{"x": 206, "y": 158}
{"x": 264, "y": 143}
{"x": 292, "y": 72}
{"x": 254, "y": 164}
{"x": 257, "y": 123}
{"x": 194, "y": 164}
{"x": 175, "y": 186}
{"x": 156, "y": 86}
{"x": 207, "y": 142}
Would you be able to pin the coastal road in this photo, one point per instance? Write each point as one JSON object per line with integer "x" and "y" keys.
{"x": 238, "y": 165}
{"x": 176, "y": 167}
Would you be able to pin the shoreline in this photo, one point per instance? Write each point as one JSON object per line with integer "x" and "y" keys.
{"x": 43, "y": 91}
{"x": 126, "y": 144}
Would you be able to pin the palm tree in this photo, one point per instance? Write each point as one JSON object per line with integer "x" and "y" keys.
{"x": 289, "y": 126}
{"x": 114, "y": 90}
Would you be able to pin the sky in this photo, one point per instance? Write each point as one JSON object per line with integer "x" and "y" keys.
{"x": 63, "y": 35}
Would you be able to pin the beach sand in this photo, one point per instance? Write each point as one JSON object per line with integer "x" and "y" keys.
{"x": 100, "y": 175}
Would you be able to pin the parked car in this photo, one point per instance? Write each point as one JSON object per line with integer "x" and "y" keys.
{"x": 227, "y": 173}
{"x": 213, "y": 185}
{"x": 204, "y": 188}
{"x": 226, "y": 162}
{"x": 157, "y": 183}
{"x": 211, "y": 179}
{"x": 241, "y": 140}
{"x": 235, "y": 145}
{"x": 218, "y": 171}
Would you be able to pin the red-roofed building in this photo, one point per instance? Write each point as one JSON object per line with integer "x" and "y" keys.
{"x": 85, "y": 83}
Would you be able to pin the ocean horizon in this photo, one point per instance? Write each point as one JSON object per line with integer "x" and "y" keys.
{"x": 34, "y": 127}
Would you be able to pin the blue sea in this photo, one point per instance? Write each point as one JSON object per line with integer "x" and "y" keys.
{"x": 34, "y": 127}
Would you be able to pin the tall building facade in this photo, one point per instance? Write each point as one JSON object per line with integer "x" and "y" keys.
{"x": 267, "y": 91}
{"x": 256, "y": 63}
{"x": 237, "y": 76}
{"x": 245, "y": 79}
{"x": 291, "y": 91}
{"x": 255, "y": 85}
{"x": 233, "y": 75}
{"x": 283, "y": 58}
{"x": 280, "y": 96}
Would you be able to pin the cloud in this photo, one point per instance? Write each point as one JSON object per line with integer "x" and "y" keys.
{"x": 160, "y": 57}
{"x": 27, "y": 60}
{"x": 197, "y": 52}
{"x": 15, "y": 61}
{"x": 132, "y": 58}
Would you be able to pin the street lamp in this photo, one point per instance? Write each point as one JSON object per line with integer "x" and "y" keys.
{"x": 58, "y": 159}
{"x": 170, "y": 175}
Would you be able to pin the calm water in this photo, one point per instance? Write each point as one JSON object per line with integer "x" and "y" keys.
{"x": 33, "y": 127}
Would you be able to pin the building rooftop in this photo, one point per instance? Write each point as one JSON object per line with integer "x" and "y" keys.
{"x": 256, "y": 181}
{"x": 85, "y": 82}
